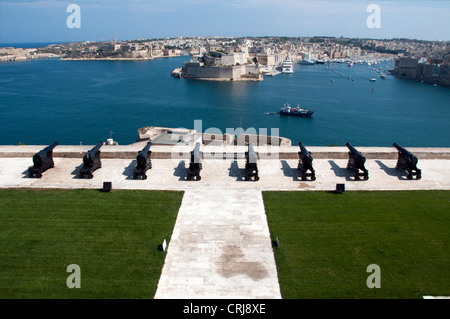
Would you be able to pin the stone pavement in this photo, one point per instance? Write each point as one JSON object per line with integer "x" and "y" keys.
{"x": 168, "y": 174}
{"x": 220, "y": 248}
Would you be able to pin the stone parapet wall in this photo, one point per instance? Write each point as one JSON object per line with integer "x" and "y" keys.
{"x": 210, "y": 151}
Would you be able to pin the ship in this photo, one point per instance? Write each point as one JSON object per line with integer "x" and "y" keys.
{"x": 295, "y": 111}
{"x": 286, "y": 67}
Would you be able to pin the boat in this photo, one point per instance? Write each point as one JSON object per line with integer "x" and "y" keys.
{"x": 306, "y": 62}
{"x": 350, "y": 64}
{"x": 319, "y": 61}
{"x": 372, "y": 79}
{"x": 295, "y": 111}
{"x": 382, "y": 76}
{"x": 286, "y": 67}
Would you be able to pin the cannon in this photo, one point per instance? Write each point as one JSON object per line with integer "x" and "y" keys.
{"x": 42, "y": 161}
{"x": 91, "y": 161}
{"x": 195, "y": 166}
{"x": 251, "y": 166}
{"x": 305, "y": 163}
{"x": 407, "y": 161}
{"x": 356, "y": 163}
{"x": 144, "y": 162}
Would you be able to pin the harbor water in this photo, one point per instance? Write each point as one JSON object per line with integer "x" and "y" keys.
{"x": 75, "y": 102}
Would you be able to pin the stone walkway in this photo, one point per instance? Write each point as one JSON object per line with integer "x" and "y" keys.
{"x": 220, "y": 248}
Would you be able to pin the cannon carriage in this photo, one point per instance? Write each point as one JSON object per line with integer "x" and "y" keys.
{"x": 356, "y": 161}
{"x": 251, "y": 166}
{"x": 42, "y": 161}
{"x": 305, "y": 163}
{"x": 195, "y": 165}
{"x": 407, "y": 161}
{"x": 143, "y": 162}
{"x": 91, "y": 161}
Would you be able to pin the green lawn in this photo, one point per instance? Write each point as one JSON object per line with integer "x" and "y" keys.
{"x": 328, "y": 240}
{"x": 113, "y": 237}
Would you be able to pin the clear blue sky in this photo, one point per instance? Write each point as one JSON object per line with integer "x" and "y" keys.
{"x": 45, "y": 20}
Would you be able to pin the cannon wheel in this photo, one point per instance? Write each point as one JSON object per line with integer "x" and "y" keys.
{"x": 144, "y": 177}
{"x": 198, "y": 177}
{"x": 246, "y": 178}
{"x": 256, "y": 178}
{"x": 189, "y": 177}
{"x": 313, "y": 178}
{"x": 91, "y": 176}
{"x": 134, "y": 176}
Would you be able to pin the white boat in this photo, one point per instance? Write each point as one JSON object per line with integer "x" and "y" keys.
{"x": 286, "y": 67}
{"x": 372, "y": 79}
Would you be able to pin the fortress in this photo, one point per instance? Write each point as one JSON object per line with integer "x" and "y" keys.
{"x": 218, "y": 66}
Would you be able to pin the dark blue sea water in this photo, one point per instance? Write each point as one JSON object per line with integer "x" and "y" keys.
{"x": 82, "y": 101}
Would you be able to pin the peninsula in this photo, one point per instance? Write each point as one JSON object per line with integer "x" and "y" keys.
{"x": 248, "y": 58}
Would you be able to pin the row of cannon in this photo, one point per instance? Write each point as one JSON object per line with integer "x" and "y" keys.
{"x": 43, "y": 160}
{"x": 356, "y": 163}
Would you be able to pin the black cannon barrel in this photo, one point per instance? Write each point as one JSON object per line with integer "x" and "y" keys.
{"x": 196, "y": 164}
{"x": 403, "y": 150}
{"x": 305, "y": 155}
{"x": 407, "y": 161}
{"x": 39, "y": 157}
{"x": 252, "y": 156}
{"x": 303, "y": 148}
{"x": 145, "y": 150}
{"x": 353, "y": 150}
{"x": 196, "y": 155}
{"x": 143, "y": 154}
{"x": 356, "y": 162}
{"x": 95, "y": 149}
{"x": 305, "y": 163}
{"x": 51, "y": 147}
{"x": 92, "y": 153}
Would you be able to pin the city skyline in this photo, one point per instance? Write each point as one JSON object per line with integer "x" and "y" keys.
{"x": 101, "y": 20}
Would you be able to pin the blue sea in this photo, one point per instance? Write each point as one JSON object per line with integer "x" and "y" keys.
{"x": 75, "y": 102}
